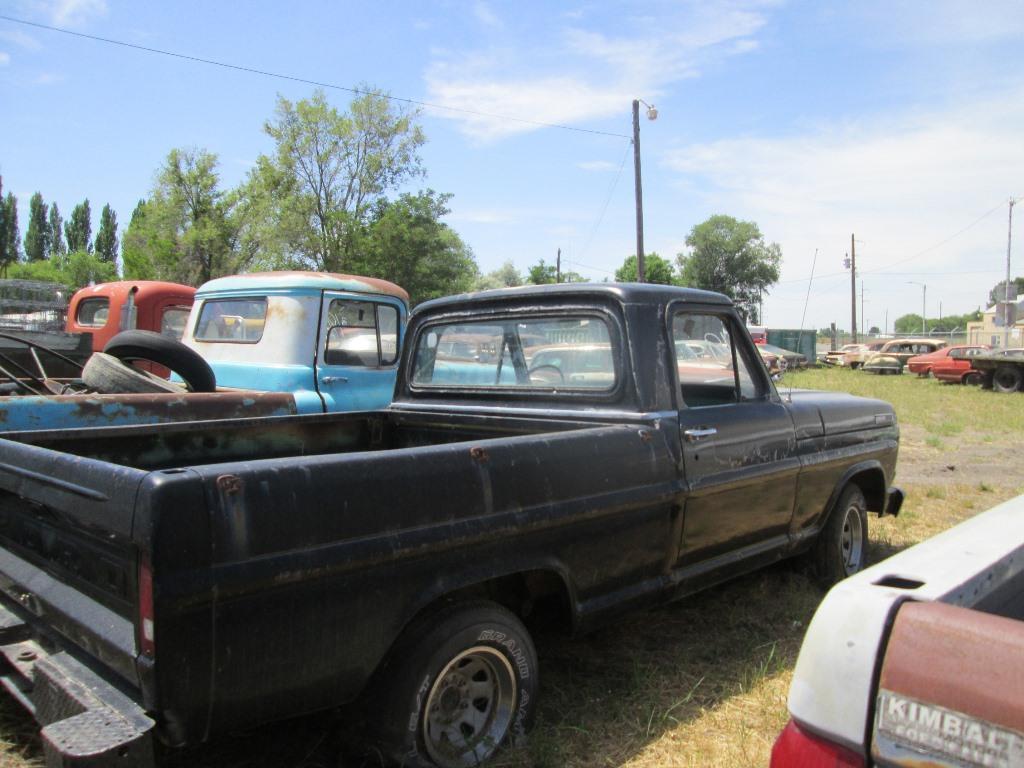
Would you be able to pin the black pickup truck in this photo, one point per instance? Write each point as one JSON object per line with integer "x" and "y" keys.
{"x": 576, "y": 448}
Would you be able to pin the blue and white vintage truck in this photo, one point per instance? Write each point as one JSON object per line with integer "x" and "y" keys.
{"x": 261, "y": 344}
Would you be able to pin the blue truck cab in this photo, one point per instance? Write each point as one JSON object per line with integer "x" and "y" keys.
{"x": 331, "y": 340}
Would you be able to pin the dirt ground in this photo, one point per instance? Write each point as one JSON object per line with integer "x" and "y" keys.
{"x": 960, "y": 461}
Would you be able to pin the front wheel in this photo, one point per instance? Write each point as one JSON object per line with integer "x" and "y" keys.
{"x": 459, "y": 684}
{"x": 842, "y": 546}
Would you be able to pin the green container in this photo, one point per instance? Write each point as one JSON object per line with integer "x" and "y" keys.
{"x": 795, "y": 340}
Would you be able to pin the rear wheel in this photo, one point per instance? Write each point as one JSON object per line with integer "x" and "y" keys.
{"x": 973, "y": 378}
{"x": 459, "y": 684}
{"x": 842, "y": 546}
{"x": 1007, "y": 378}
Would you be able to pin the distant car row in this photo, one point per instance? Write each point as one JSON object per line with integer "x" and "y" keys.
{"x": 960, "y": 364}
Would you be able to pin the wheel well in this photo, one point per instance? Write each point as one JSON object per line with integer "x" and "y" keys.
{"x": 872, "y": 485}
{"x": 540, "y": 595}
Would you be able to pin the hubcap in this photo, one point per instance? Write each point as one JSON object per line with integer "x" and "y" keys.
{"x": 469, "y": 708}
{"x": 851, "y": 542}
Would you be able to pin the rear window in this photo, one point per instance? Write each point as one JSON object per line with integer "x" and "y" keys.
{"x": 548, "y": 354}
{"x": 172, "y": 323}
{"x": 93, "y": 313}
{"x": 232, "y": 320}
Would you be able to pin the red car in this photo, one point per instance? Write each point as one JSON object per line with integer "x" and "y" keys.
{"x": 956, "y": 366}
{"x": 922, "y": 365}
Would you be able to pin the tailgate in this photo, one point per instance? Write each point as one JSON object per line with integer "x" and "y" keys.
{"x": 951, "y": 690}
{"x": 67, "y": 561}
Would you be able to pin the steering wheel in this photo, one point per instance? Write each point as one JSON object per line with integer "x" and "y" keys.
{"x": 546, "y": 374}
{"x": 713, "y": 338}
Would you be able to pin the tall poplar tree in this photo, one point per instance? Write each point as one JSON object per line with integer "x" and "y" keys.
{"x": 37, "y": 234}
{"x": 78, "y": 230}
{"x": 10, "y": 236}
{"x": 56, "y": 224}
{"x": 106, "y": 237}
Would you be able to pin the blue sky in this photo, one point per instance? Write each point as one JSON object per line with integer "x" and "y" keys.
{"x": 898, "y": 121}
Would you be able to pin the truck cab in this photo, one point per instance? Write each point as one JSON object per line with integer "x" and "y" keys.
{"x": 332, "y": 340}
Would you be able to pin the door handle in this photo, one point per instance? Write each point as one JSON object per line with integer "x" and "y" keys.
{"x": 699, "y": 433}
{"x": 332, "y": 379}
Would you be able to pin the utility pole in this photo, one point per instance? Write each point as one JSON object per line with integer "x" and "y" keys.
{"x": 1006, "y": 312}
{"x": 861, "y": 307}
{"x": 853, "y": 288}
{"x": 652, "y": 114}
{"x": 558, "y": 266}
{"x": 640, "y": 277}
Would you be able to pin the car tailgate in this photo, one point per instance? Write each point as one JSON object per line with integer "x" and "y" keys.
{"x": 951, "y": 690}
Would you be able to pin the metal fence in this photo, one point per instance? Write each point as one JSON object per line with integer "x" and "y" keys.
{"x": 32, "y": 305}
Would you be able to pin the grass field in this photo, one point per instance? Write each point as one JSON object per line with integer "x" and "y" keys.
{"x": 702, "y": 682}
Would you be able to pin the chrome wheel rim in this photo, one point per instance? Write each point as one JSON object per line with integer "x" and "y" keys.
{"x": 469, "y": 708}
{"x": 851, "y": 541}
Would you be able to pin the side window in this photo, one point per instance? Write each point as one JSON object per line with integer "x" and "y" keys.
{"x": 172, "y": 322}
{"x": 361, "y": 333}
{"x": 711, "y": 369}
{"x": 93, "y": 313}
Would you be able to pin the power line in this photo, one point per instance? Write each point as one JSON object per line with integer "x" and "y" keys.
{"x": 306, "y": 81}
{"x": 607, "y": 200}
{"x": 929, "y": 249}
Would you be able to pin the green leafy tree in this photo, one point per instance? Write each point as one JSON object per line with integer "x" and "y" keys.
{"x": 311, "y": 200}
{"x": 78, "y": 231}
{"x": 907, "y": 324}
{"x": 10, "y": 237}
{"x": 505, "y": 276}
{"x": 998, "y": 292}
{"x": 106, "y": 237}
{"x": 406, "y": 242}
{"x": 37, "y": 234}
{"x": 541, "y": 273}
{"x": 731, "y": 257}
{"x": 56, "y": 225}
{"x": 656, "y": 270}
{"x": 185, "y": 231}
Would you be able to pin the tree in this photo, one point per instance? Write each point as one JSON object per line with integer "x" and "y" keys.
{"x": 873, "y": 330}
{"x": 56, "y": 224}
{"x": 731, "y": 257}
{"x": 505, "y": 276}
{"x": 998, "y": 292}
{"x": 37, "y": 235}
{"x": 656, "y": 270}
{"x": 907, "y": 324}
{"x": 541, "y": 273}
{"x": 10, "y": 237}
{"x": 312, "y": 198}
{"x": 106, "y": 237}
{"x": 185, "y": 232}
{"x": 406, "y": 242}
{"x": 78, "y": 231}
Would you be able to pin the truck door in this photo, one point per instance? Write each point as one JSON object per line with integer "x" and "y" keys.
{"x": 738, "y": 441}
{"x": 357, "y": 355}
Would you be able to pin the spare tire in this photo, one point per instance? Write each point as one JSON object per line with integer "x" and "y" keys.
{"x": 148, "y": 345}
{"x": 105, "y": 373}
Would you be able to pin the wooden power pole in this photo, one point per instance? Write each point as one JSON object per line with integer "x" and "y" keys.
{"x": 853, "y": 288}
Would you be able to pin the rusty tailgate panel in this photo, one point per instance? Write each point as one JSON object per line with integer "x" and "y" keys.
{"x": 951, "y": 691}
{"x": 22, "y": 414}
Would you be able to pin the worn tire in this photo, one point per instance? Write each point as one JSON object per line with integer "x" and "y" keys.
{"x": 148, "y": 345}
{"x": 105, "y": 373}
{"x": 473, "y": 658}
{"x": 973, "y": 379}
{"x": 841, "y": 548}
{"x": 1007, "y": 378}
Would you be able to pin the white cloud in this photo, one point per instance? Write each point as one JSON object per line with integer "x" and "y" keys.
{"x": 485, "y": 15}
{"x": 583, "y": 75}
{"x": 5, "y": 58}
{"x": 74, "y": 13}
{"x": 20, "y": 39}
{"x": 47, "y": 78}
{"x": 902, "y": 184}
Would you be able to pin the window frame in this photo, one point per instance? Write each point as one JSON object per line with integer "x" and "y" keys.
{"x": 562, "y": 393}
{"x": 377, "y": 307}
{"x": 227, "y": 299}
{"x": 755, "y": 367}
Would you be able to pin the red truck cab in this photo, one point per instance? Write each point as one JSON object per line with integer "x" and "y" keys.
{"x": 108, "y": 308}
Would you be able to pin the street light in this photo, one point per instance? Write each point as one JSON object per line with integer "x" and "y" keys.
{"x": 924, "y": 294}
{"x": 652, "y": 114}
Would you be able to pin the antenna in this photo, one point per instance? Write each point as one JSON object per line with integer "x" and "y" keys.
{"x": 803, "y": 317}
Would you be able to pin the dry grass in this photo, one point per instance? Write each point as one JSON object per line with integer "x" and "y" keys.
{"x": 702, "y": 682}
